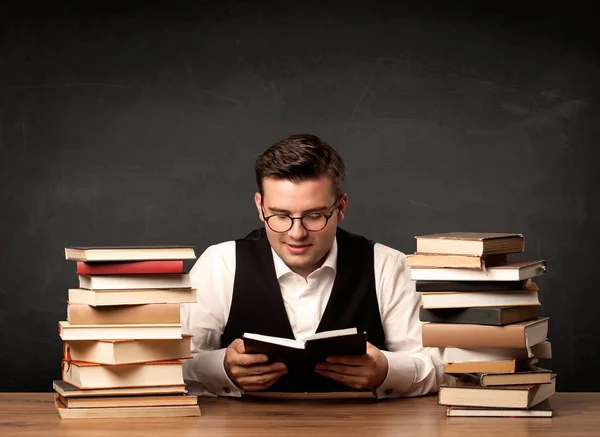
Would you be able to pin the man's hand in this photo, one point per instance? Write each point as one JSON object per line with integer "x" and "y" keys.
{"x": 250, "y": 371}
{"x": 359, "y": 372}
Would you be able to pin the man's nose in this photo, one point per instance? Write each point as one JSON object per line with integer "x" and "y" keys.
{"x": 297, "y": 231}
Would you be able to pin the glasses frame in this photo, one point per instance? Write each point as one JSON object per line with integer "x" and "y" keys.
{"x": 327, "y": 217}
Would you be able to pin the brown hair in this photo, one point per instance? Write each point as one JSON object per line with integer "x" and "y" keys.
{"x": 301, "y": 157}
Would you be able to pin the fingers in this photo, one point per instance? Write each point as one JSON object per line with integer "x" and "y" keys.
{"x": 262, "y": 381}
{"x": 251, "y": 371}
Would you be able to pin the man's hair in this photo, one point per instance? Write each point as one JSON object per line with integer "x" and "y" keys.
{"x": 298, "y": 158}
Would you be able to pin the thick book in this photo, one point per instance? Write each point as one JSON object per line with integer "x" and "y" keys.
{"x": 124, "y": 412}
{"x": 83, "y": 314}
{"x": 454, "y": 261}
{"x": 543, "y": 409}
{"x": 533, "y": 375}
{"x": 464, "y": 286}
{"x": 302, "y": 356}
{"x": 112, "y": 352}
{"x": 542, "y": 351}
{"x": 471, "y": 243}
{"x": 131, "y": 297}
{"x": 128, "y": 401}
{"x": 514, "y": 271}
{"x": 465, "y": 394}
{"x": 474, "y": 299}
{"x": 134, "y": 282}
{"x": 496, "y": 316}
{"x": 129, "y": 267}
{"x": 139, "y": 331}
{"x": 461, "y": 335}
{"x": 70, "y": 391}
{"x": 129, "y": 253}
{"x": 92, "y": 375}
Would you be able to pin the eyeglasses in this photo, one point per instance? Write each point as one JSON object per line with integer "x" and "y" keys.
{"x": 313, "y": 222}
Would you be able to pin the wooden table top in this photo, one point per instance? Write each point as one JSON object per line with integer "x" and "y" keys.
{"x": 33, "y": 415}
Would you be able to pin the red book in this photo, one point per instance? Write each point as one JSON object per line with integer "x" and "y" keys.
{"x": 129, "y": 267}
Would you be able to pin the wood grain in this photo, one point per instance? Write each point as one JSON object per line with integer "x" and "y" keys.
{"x": 33, "y": 415}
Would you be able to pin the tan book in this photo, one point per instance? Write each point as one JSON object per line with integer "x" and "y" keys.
{"x": 135, "y": 282}
{"x": 476, "y": 299}
{"x": 513, "y": 271}
{"x": 83, "y": 314}
{"x": 461, "y": 335}
{"x": 70, "y": 391}
{"x": 454, "y": 261}
{"x": 533, "y": 375}
{"x": 130, "y": 297}
{"x": 112, "y": 352}
{"x": 498, "y": 366}
{"x": 91, "y": 375}
{"x": 128, "y": 401}
{"x": 148, "y": 331}
{"x": 470, "y": 243}
{"x": 129, "y": 253}
{"x": 124, "y": 412}
{"x": 464, "y": 394}
{"x": 543, "y": 409}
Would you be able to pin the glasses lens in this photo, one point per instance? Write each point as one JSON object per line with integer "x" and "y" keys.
{"x": 314, "y": 222}
{"x": 280, "y": 223}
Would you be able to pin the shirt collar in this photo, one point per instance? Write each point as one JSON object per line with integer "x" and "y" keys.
{"x": 330, "y": 262}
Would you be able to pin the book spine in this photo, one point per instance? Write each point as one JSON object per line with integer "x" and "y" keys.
{"x": 476, "y": 316}
{"x": 129, "y": 268}
{"x": 442, "y": 286}
{"x": 81, "y": 314}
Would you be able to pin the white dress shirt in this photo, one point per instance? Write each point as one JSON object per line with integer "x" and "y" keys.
{"x": 412, "y": 369}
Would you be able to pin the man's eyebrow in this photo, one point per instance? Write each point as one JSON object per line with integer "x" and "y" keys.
{"x": 285, "y": 211}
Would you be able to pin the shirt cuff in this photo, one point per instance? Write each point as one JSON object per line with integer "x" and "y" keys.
{"x": 401, "y": 375}
{"x": 211, "y": 373}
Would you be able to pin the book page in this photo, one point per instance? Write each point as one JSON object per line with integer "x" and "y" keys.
{"x": 275, "y": 340}
{"x": 334, "y": 333}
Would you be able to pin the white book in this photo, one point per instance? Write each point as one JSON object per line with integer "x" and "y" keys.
{"x": 515, "y": 271}
{"x": 476, "y": 299}
{"x": 131, "y": 297}
{"x": 120, "y": 282}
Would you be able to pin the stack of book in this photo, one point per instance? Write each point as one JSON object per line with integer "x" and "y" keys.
{"x": 122, "y": 340}
{"x": 482, "y": 309}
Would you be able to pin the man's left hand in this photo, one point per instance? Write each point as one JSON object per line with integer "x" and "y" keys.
{"x": 359, "y": 372}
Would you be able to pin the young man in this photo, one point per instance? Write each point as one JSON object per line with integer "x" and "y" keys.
{"x": 302, "y": 274}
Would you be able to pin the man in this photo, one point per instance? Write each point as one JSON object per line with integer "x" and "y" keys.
{"x": 302, "y": 274}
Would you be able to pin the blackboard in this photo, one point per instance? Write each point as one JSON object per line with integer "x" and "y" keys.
{"x": 141, "y": 125}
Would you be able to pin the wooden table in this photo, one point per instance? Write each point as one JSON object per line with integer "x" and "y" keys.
{"x": 33, "y": 414}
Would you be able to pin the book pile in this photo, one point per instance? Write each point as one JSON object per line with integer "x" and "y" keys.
{"x": 122, "y": 340}
{"x": 483, "y": 309}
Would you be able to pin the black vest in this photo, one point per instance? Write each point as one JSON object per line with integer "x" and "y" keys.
{"x": 257, "y": 305}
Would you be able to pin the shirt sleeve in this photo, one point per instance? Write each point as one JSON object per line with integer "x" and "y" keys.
{"x": 413, "y": 370}
{"x": 212, "y": 277}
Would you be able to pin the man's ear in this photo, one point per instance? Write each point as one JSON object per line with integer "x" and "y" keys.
{"x": 258, "y": 202}
{"x": 342, "y": 207}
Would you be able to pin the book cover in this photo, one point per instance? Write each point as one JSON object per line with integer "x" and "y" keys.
{"x": 134, "y": 282}
{"x": 543, "y": 409}
{"x": 474, "y": 299}
{"x": 516, "y": 335}
{"x": 514, "y": 271}
{"x": 67, "y": 390}
{"x": 129, "y": 253}
{"x": 471, "y": 243}
{"x": 83, "y": 314}
{"x": 131, "y": 297}
{"x": 464, "y": 286}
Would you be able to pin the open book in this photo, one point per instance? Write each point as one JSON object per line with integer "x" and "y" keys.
{"x": 302, "y": 355}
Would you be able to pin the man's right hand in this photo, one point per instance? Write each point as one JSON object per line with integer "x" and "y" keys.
{"x": 250, "y": 371}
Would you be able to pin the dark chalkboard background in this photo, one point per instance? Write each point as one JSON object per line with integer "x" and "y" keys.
{"x": 141, "y": 126}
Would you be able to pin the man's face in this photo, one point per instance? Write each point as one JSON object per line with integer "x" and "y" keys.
{"x": 303, "y": 251}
